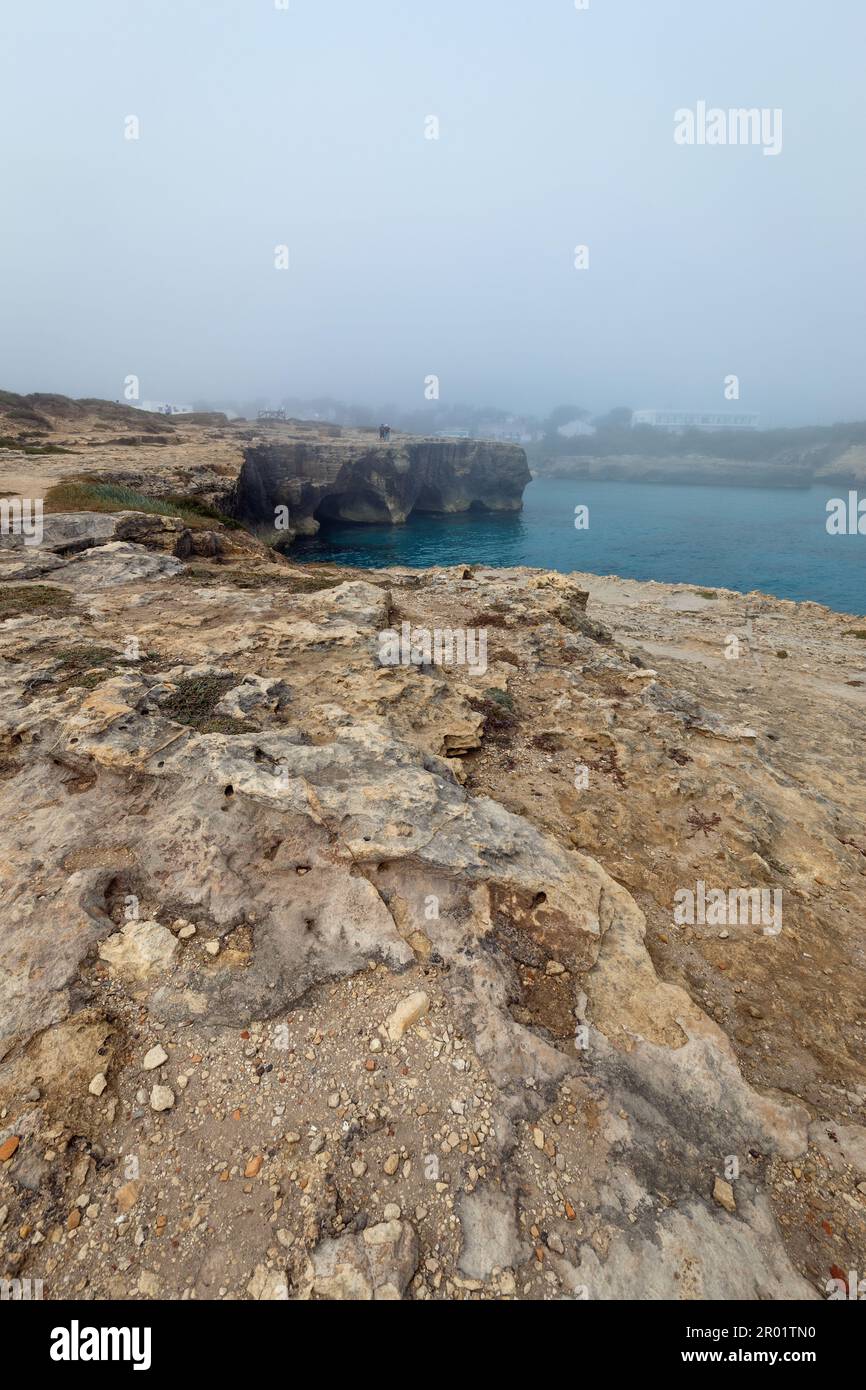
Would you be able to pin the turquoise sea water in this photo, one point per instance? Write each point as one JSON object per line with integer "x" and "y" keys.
{"x": 770, "y": 539}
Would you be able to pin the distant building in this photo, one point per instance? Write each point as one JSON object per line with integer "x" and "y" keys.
{"x": 678, "y": 421}
{"x": 162, "y": 408}
{"x": 511, "y": 431}
{"x": 272, "y": 415}
{"x": 514, "y": 430}
{"x": 572, "y": 428}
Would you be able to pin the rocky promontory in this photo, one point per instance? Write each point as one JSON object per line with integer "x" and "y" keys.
{"x": 352, "y": 478}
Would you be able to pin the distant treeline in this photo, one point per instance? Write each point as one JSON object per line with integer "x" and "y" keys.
{"x": 643, "y": 440}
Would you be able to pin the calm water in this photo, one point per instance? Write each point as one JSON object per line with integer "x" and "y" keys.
{"x": 734, "y": 538}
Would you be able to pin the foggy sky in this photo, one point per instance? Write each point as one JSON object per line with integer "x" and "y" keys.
{"x": 408, "y": 257}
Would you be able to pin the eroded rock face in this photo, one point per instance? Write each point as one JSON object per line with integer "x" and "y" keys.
{"x": 426, "y": 1031}
{"x": 376, "y": 483}
{"x": 114, "y": 544}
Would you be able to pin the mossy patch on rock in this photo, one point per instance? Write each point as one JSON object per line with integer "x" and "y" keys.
{"x": 17, "y": 600}
{"x": 194, "y": 701}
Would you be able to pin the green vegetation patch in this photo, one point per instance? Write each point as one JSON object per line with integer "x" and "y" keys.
{"x": 40, "y": 600}
{"x": 87, "y": 666}
{"x": 500, "y": 718}
{"x": 82, "y": 658}
{"x": 8, "y": 441}
{"x": 194, "y": 701}
{"x": 500, "y": 697}
{"x": 112, "y": 497}
{"x": 194, "y": 507}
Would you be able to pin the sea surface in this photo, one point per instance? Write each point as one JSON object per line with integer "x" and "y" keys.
{"x": 771, "y": 539}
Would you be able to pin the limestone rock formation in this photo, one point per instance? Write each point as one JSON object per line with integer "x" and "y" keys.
{"x": 406, "y": 938}
{"x": 369, "y": 482}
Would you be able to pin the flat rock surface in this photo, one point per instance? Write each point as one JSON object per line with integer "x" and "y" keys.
{"x": 440, "y": 1030}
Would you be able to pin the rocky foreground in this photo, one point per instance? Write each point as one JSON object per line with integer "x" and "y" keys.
{"x": 323, "y": 978}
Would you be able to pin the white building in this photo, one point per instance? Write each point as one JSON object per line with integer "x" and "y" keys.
{"x": 678, "y": 421}
{"x": 162, "y": 407}
{"x": 514, "y": 430}
{"x": 572, "y": 428}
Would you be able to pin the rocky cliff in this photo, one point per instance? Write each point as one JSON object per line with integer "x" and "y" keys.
{"x": 354, "y": 479}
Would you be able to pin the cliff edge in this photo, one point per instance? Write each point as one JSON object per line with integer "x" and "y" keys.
{"x": 353, "y": 479}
